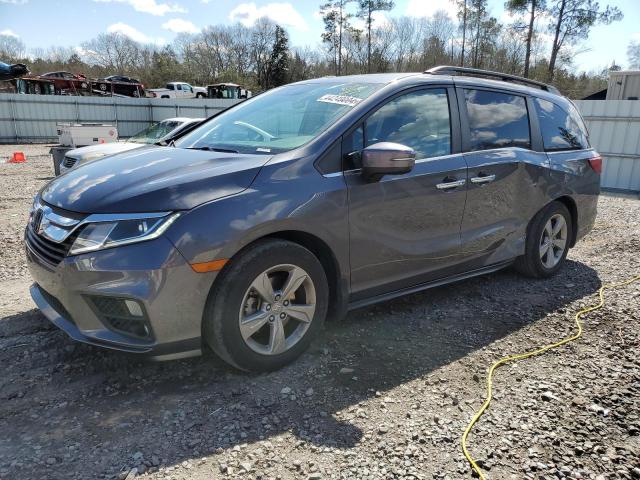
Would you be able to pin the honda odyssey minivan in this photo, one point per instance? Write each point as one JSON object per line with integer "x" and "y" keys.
{"x": 307, "y": 201}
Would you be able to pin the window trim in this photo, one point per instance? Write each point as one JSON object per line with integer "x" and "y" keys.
{"x": 465, "y": 129}
{"x": 561, "y": 107}
{"x": 454, "y": 117}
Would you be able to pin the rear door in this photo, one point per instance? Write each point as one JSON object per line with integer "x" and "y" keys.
{"x": 508, "y": 173}
{"x": 405, "y": 229}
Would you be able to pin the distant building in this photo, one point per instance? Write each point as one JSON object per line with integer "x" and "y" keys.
{"x": 623, "y": 85}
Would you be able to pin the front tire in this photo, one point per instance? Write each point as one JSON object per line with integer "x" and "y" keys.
{"x": 547, "y": 242}
{"x": 266, "y": 306}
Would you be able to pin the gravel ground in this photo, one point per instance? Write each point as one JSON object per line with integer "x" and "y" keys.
{"x": 384, "y": 394}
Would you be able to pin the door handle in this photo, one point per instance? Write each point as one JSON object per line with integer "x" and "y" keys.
{"x": 452, "y": 184}
{"x": 483, "y": 179}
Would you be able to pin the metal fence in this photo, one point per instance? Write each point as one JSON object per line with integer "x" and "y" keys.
{"x": 614, "y": 125}
{"x": 614, "y": 129}
{"x": 33, "y": 118}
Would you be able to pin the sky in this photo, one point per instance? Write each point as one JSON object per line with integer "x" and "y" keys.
{"x": 42, "y": 23}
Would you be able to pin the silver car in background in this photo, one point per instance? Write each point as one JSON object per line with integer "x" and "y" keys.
{"x": 157, "y": 132}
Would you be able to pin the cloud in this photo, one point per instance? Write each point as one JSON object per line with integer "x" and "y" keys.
{"x": 9, "y": 33}
{"x": 149, "y": 6}
{"x": 422, "y": 8}
{"x": 635, "y": 36}
{"x": 281, "y": 13}
{"x": 14, "y": 2}
{"x": 133, "y": 34}
{"x": 379, "y": 20}
{"x": 83, "y": 52}
{"x": 178, "y": 25}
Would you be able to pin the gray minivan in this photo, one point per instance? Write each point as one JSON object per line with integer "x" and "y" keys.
{"x": 309, "y": 200}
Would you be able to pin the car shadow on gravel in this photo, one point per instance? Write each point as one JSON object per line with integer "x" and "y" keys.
{"x": 68, "y": 408}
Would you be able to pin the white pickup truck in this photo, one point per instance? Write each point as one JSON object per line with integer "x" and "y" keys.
{"x": 178, "y": 90}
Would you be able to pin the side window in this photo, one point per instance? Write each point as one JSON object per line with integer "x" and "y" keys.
{"x": 561, "y": 130}
{"x": 170, "y": 86}
{"x": 352, "y": 145}
{"x": 497, "y": 120}
{"x": 419, "y": 120}
{"x": 178, "y": 87}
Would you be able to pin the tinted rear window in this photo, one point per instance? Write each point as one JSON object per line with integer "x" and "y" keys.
{"x": 561, "y": 130}
{"x": 497, "y": 120}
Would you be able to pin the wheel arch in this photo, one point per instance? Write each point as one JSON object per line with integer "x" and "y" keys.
{"x": 329, "y": 262}
{"x": 570, "y": 203}
{"x": 338, "y": 286}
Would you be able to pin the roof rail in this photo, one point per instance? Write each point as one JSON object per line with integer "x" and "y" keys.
{"x": 505, "y": 77}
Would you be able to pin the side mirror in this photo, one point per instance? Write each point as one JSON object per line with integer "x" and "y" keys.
{"x": 386, "y": 158}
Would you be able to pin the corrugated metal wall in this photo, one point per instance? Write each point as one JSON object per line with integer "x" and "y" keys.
{"x": 614, "y": 129}
{"x": 33, "y": 118}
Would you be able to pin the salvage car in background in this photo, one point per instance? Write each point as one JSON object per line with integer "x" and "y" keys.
{"x": 67, "y": 83}
{"x": 11, "y": 71}
{"x": 123, "y": 85}
{"x": 227, "y": 90}
{"x": 178, "y": 90}
{"x": 158, "y": 132}
{"x": 28, "y": 86}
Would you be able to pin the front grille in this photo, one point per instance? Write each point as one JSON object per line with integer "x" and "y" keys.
{"x": 68, "y": 162}
{"x": 52, "y": 223}
{"x": 50, "y": 252}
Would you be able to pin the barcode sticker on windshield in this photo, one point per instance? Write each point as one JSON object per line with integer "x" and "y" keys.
{"x": 340, "y": 100}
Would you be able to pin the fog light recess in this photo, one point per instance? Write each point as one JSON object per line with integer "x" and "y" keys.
{"x": 123, "y": 315}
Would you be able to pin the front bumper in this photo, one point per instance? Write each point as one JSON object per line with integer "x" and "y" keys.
{"x": 153, "y": 273}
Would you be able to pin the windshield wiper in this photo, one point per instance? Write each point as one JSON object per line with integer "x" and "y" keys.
{"x": 214, "y": 149}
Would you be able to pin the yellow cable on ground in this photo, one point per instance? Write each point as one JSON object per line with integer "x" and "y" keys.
{"x": 532, "y": 353}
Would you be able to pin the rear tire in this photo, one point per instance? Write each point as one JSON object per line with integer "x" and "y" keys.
{"x": 547, "y": 242}
{"x": 266, "y": 306}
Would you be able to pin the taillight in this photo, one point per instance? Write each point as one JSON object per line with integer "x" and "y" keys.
{"x": 596, "y": 164}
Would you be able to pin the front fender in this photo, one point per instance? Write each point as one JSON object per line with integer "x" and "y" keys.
{"x": 286, "y": 196}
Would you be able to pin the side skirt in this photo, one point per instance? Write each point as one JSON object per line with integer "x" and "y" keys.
{"x": 424, "y": 286}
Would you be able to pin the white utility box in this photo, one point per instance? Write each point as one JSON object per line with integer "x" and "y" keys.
{"x": 83, "y": 134}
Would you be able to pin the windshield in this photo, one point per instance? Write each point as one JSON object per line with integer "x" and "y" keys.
{"x": 279, "y": 120}
{"x": 154, "y": 133}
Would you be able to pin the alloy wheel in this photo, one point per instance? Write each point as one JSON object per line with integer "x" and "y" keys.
{"x": 553, "y": 241}
{"x": 277, "y": 309}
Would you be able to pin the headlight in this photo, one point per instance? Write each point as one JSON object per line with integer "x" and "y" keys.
{"x": 101, "y": 233}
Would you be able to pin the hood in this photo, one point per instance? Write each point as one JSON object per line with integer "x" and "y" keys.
{"x": 152, "y": 180}
{"x": 92, "y": 151}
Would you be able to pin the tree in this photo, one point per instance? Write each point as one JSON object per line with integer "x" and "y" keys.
{"x": 262, "y": 38}
{"x": 484, "y": 30}
{"x": 279, "y": 61}
{"x": 571, "y": 20}
{"x": 113, "y": 51}
{"x": 164, "y": 66}
{"x": 532, "y": 7}
{"x": 462, "y": 15}
{"x": 366, "y": 9}
{"x": 633, "y": 55}
{"x": 11, "y": 48}
{"x": 336, "y": 22}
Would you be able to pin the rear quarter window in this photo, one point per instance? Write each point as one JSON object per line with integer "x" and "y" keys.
{"x": 497, "y": 120}
{"x": 561, "y": 129}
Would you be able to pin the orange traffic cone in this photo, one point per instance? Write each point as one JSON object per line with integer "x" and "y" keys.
{"x": 18, "y": 157}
